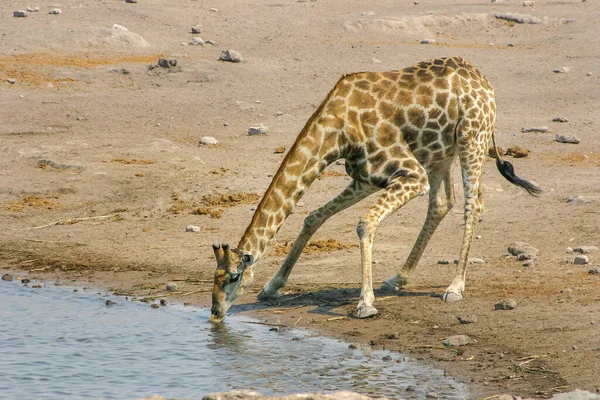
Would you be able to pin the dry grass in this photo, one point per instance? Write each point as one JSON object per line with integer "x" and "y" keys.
{"x": 136, "y": 161}
{"x": 39, "y": 68}
{"x": 579, "y": 158}
{"x": 317, "y": 246}
{"x": 33, "y": 202}
{"x": 212, "y": 204}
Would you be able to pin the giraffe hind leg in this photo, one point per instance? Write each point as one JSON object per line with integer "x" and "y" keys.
{"x": 439, "y": 205}
{"x": 352, "y": 194}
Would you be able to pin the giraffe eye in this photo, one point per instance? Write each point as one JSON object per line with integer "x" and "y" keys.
{"x": 234, "y": 278}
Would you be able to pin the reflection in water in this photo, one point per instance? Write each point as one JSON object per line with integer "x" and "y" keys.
{"x": 55, "y": 343}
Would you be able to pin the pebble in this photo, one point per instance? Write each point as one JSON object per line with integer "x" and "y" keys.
{"x": 37, "y": 286}
{"x": 192, "y": 228}
{"x": 427, "y": 41}
{"x": 163, "y": 302}
{"x": 560, "y": 119}
{"x": 574, "y": 347}
{"x": 154, "y": 305}
{"x": 520, "y": 248}
{"x": 507, "y": 304}
{"x": 231, "y": 56}
{"x": 280, "y": 150}
{"x": 25, "y": 280}
{"x": 109, "y": 302}
{"x": 12, "y": 81}
{"x": 120, "y": 28}
{"x": 208, "y": 141}
{"x": 443, "y": 262}
{"x": 540, "y": 129}
{"x": 585, "y": 249}
{"x": 527, "y": 3}
{"x": 7, "y": 277}
{"x": 131, "y": 1}
{"x": 562, "y": 70}
{"x": 20, "y": 13}
{"x": 386, "y": 358}
{"x": 528, "y": 263}
{"x": 457, "y": 340}
{"x": 432, "y": 395}
{"x": 171, "y": 287}
{"x": 278, "y": 113}
{"x": 197, "y": 29}
{"x": 578, "y": 200}
{"x": 566, "y": 291}
{"x": 33, "y": 9}
{"x": 167, "y": 62}
{"x": 259, "y": 129}
{"x": 569, "y": 250}
{"x": 211, "y": 42}
{"x": 581, "y": 260}
{"x": 467, "y": 319}
{"x": 196, "y": 41}
{"x": 567, "y": 139}
{"x": 55, "y": 11}
{"x": 594, "y": 271}
{"x": 376, "y": 61}
{"x": 476, "y": 261}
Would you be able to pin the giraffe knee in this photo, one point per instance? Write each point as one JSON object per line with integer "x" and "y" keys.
{"x": 311, "y": 222}
{"x": 364, "y": 228}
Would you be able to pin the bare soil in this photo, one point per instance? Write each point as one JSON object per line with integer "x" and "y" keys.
{"x": 101, "y": 168}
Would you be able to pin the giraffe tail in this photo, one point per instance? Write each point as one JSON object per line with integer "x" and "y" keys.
{"x": 508, "y": 171}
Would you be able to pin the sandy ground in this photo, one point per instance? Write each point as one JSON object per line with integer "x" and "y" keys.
{"x": 123, "y": 173}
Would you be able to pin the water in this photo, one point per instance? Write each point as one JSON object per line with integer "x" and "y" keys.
{"x": 59, "y": 344}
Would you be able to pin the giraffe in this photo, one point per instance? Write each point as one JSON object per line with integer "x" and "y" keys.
{"x": 399, "y": 132}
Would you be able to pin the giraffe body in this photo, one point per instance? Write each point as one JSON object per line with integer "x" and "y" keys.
{"x": 399, "y": 132}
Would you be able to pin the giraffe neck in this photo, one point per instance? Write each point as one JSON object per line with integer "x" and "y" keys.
{"x": 317, "y": 146}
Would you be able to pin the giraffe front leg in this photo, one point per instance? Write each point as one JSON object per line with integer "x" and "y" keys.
{"x": 366, "y": 233}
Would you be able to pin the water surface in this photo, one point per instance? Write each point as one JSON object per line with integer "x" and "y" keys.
{"x": 59, "y": 344}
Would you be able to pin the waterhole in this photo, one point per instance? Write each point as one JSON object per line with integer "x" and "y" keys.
{"x": 58, "y": 343}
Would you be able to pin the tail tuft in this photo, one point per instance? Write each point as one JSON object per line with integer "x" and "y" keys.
{"x": 507, "y": 170}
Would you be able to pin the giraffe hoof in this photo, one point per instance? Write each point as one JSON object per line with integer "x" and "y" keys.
{"x": 451, "y": 297}
{"x": 365, "y": 312}
{"x": 266, "y": 296}
{"x": 388, "y": 287}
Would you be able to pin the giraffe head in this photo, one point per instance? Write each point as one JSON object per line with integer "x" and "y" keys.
{"x": 234, "y": 273}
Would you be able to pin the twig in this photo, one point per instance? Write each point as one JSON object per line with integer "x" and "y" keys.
{"x": 296, "y": 323}
{"x": 264, "y": 323}
{"x": 338, "y": 318}
{"x": 491, "y": 397}
{"x": 70, "y": 221}
{"x": 193, "y": 280}
{"x": 56, "y": 241}
{"x": 534, "y": 357}
{"x": 39, "y": 269}
{"x": 195, "y": 291}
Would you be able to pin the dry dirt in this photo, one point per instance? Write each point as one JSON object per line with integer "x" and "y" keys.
{"x": 95, "y": 150}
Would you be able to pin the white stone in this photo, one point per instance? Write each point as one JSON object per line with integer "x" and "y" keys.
{"x": 259, "y": 129}
{"x": 196, "y": 41}
{"x": 192, "y": 228}
{"x": 120, "y": 28}
{"x": 55, "y": 11}
{"x": 208, "y": 141}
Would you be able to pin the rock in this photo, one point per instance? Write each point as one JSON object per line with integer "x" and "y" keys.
{"x": 540, "y": 129}
{"x": 55, "y": 11}
{"x": 443, "y": 262}
{"x": 353, "y": 346}
{"x": 386, "y": 358}
{"x": 567, "y": 139}
{"x": 581, "y": 260}
{"x": 196, "y": 41}
{"x": 578, "y": 200}
{"x": 163, "y": 302}
{"x": 259, "y": 129}
{"x": 432, "y": 395}
{"x": 528, "y": 263}
{"x": 561, "y": 70}
{"x": 7, "y": 277}
{"x": 20, "y": 14}
{"x": 167, "y": 62}
{"x": 560, "y": 119}
{"x": 507, "y": 304}
{"x": 208, "y": 141}
{"x": 577, "y": 395}
{"x": 211, "y": 42}
{"x": 11, "y": 81}
{"x": 566, "y": 291}
{"x": 197, "y": 29}
{"x": 171, "y": 287}
{"x": 231, "y": 56}
{"x": 585, "y": 249}
{"x": 131, "y": 1}
{"x": 192, "y": 228}
{"x": 25, "y": 280}
{"x": 594, "y": 271}
{"x": 33, "y": 9}
{"x": 154, "y": 305}
{"x": 474, "y": 260}
{"x": 527, "y": 3}
{"x": 457, "y": 340}
{"x": 278, "y": 113}
{"x": 109, "y": 302}
{"x": 279, "y": 150}
{"x": 427, "y": 41}
{"x": 569, "y": 250}
{"x": 518, "y": 18}
{"x": 467, "y": 319}
{"x": 518, "y": 248}
{"x": 120, "y": 28}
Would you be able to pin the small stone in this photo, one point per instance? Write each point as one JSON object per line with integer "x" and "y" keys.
{"x": 171, "y": 287}
{"x": 154, "y": 305}
{"x": 527, "y": 3}
{"x": 353, "y": 346}
{"x": 476, "y": 261}
{"x": 37, "y": 286}
{"x": 167, "y": 62}
{"x": 7, "y": 277}
{"x": 25, "y": 280}
{"x": 585, "y": 249}
{"x": 213, "y": 10}
{"x": 567, "y": 139}
{"x": 11, "y": 81}
{"x": 524, "y": 257}
{"x": 211, "y": 42}
{"x": 280, "y": 150}
{"x": 196, "y": 41}
{"x": 274, "y": 329}
{"x": 131, "y": 1}
{"x": 478, "y": 237}
{"x": 540, "y": 129}
{"x": 457, "y": 340}
{"x": 574, "y": 347}
{"x": 566, "y": 291}
{"x": 560, "y": 119}
{"x": 259, "y": 129}
{"x": 507, "y": 304}
{"x": 20, "y": 14}
{"x": 163, "y": 302}
{"x": 231, "y": 56}
{"x": 467, "y": 319}
{"x": 55, "y": 11}
{"x": 594, "y": 271}
{"x": 443, "y": 262}
{"x": 197, "y": 29}
{"x": 588, "y": 74}
{"x": 410, "y": 388}
{"x": 432, "y": 395}
{"x": 427, "y": 41}
{"x": 79, "y": 118}
{"x": 578, "y": 200}
{"x": 529, "y": 263}
{"x": 511, "y": 45}
{"x": 569, "y": 250}
{"x": 208, "y": 141}
{"x": 192, "y": 228}
{"x": 386, "y": 358}
{"x": 109, "y": 302}
{"x": 278, "y": 113}
{"x": 120, "y": 28}
{"x": 581, "y": 260}
{"x": 376, "y": 61}
{"x": 562, "y": 70}
{"x": 33, "y": 9}
{"x": 518, "y": 248}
